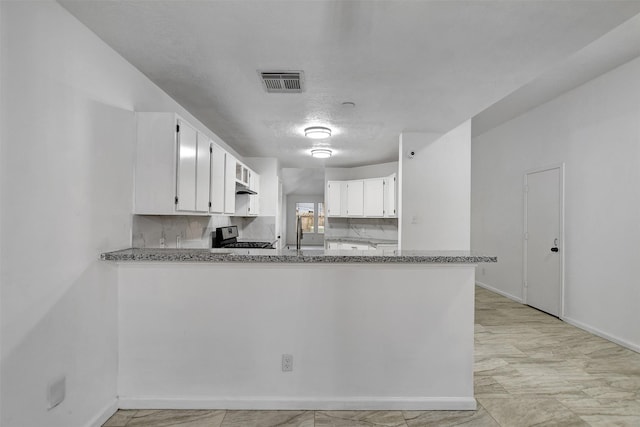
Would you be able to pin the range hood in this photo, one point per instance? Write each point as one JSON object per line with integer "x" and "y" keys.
{"x": 243, "y": 189}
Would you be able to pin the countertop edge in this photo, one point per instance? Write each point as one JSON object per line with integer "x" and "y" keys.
{"x": 204, "y": 256}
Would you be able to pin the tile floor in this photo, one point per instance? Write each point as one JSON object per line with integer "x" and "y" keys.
{"x": 531, "y": 370}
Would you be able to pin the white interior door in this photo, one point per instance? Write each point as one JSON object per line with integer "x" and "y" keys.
{"x": 543, "y": 282}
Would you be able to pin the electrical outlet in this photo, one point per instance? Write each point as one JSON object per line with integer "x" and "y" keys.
{"x": 287, "y": 363}
{"x": 56, "y": 392}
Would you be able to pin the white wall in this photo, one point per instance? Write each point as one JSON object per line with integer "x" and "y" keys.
{"x": 302, "y": 180}
{"x": 595, "y": 130}
{"x": 66, "y": 191}
{"x": 434, "y": 190}
{"x": 212, "y": 336}
{"x": 360, "y": 172}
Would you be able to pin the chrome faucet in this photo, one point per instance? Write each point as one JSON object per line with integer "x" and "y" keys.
{"x": 298, "y": 233}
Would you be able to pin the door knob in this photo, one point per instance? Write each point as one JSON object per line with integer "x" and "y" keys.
{"x": 554, "y": 249}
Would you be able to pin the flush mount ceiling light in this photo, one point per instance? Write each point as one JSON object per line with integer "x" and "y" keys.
{"x": 321, "y": 153}
{"x": 317, "y": 132}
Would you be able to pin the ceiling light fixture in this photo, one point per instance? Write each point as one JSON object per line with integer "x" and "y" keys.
{"x": 317, "y": 132}
{"x": 321, "y": 153}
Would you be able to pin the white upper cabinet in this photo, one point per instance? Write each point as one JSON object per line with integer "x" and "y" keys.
{"x": 248, "y": 204}
{"x": 168, "y": 157}
{"x": 187, "y": 161}
{"x": 242, "y": 174}
{"x": 374, "y": 197}
{"x": 367, "y": 198}
{"x": 390, "y": 187}
{"x": 203, "y": 172}
{"x": 217, "y": 186}
{"x": 230, "y": 185}
{"x": 254, "y": 199}
{"x": 355, "y": 198}
{"x": 335, "y": 192}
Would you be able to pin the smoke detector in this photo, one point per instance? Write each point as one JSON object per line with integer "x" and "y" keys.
{"x": 282, "y": 81}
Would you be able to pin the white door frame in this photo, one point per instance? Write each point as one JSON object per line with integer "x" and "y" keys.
{"x": 559, "y": 166}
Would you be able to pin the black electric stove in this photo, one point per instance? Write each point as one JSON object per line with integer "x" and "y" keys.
{"x": 227, "y": 237}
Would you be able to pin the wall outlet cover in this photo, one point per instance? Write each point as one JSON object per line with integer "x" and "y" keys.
{"x": 287, "y": 363}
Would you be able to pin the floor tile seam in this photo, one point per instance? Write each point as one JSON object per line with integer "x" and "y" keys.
{"x": 226, "y": 411}
{"x": 293, "y": 417}
{"x": 358, "y": 421}
{"x": 572, "y": 411}
{"x": 489, "y": 412}
{"x": 131, "y": 418}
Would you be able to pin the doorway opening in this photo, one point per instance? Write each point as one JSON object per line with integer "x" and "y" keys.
{"x": 305, "y": 214}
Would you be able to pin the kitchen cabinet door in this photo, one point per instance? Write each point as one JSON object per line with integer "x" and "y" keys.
{"x": 242, "y": 174}
{"x": 230, "y": 185}
{"x": 390, "y": 207}
{"x": 355, "y": 198}
{"x": 373, "y": 197}
{"x": 187, "y": 163}
{"x": 333, "y": 245}
{"x": 217, "y": 185}
{"x": 357, "y": 246}
{"x": 172, "y": 169}
{"x": 254, "y": 199}
{"x": 203, "y": 168}
{"x": 335, "y": 190}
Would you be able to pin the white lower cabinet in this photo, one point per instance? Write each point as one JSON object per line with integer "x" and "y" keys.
{"x": 355, "y": 246}
{"x": 348, "y": 246}
{"x": 333, "y": 245}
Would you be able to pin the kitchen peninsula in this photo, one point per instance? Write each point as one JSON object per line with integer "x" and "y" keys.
{"x": 366, "y": 329}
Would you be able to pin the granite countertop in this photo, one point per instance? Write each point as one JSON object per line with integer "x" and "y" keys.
{"x": 292, "y": 256}
{"x": 365, "y": 240}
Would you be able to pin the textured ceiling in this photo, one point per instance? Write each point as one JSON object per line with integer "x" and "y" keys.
{"x": 408, "y": 65}
{"x": 608, "y": 52}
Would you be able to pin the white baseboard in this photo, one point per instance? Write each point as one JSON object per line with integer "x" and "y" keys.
{"x": 598, "y": 332}
{"x": 281, "y": 403}
{"x": 104, "y": 415}
{"x": 498, "y": 291}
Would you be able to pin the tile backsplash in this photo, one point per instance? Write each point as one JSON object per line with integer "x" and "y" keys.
{"x": 149, "y": 231}
{"x": 366, "y": 228}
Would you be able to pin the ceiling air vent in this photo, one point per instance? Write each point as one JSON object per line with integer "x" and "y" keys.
{"x": 282, "y": 81}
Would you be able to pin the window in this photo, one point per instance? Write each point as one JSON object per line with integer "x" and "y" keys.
{"x": 311, "y": 214}
{"x": 305, "y": 214}
{"x": 321, "y": 218}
